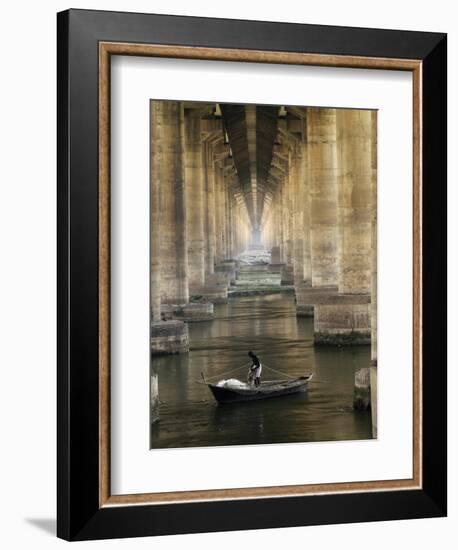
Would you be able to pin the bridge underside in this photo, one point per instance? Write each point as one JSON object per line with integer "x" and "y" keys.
{"x": 296, "y": 183}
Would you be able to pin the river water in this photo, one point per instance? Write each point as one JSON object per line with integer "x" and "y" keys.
{"x": 267, "y": 325}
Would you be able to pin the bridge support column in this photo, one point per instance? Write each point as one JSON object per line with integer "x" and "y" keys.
{"x": 373, "y": 367}
{"x": 349, "y": 322}
{"x": 202, "y": 309}
{"x": 287, "y": 270}
{"x": 303, "y": 280}
{"x": 211, "y": 290}
{"x": 320, "y": 229}
{"x": 169, "y": 281}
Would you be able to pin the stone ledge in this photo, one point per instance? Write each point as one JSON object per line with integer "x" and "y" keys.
{"x": 253, "y": 268}
{"x": 342, "y": 338}
{"x": 259, "y": 291}
{"x": 328, "y": 296}
{"x": 343, "y": 299}
{"x": 275, "y": 267}
{"x": 194, "y": 311}
{"x": 226, "y": 272}
{"x": 216, "y": 294}
{"x": 173, "y": 327}
{"x": 197, "y": 311}
{"x": 169, "y": 337}
{"x": 309, "y": 296}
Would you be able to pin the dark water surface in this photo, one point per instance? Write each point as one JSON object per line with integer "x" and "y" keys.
{"x": 189, "y": 415}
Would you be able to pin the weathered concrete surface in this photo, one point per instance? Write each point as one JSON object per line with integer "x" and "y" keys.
{"x": 297, "y": 204}
{"x": 362, "y": 395}
{"x": 304, "y": 307}
{"x": 287, "y": 275}
{"x": 348, "y": 321}
{"x": 169, "y": 337}
{"x": 342, "y": 325}
{"x": 231, "y": 267}
{"x": 214, "y": 291}
{"x": 154, "y": 398}
{"x": 194, "y": 198}
{"x": 307, "y": 297}
{"x": 275, "y": 255}
{"x": 322, "y": 169}
{"x": 227, "y": 272}
{"x": 155, "y": 209}
{"x": 373, "y": 382}
{"x": 276, "y": 268}
{"x": 199, "y": 309}
{"x": 169, "y": 171}
{"x": 196, "y": 311}
{"x": 355, "y": 129}
{"x": 374, "y": 280}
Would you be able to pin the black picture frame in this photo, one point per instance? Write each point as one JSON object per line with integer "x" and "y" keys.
{"x": 78, "y": 511}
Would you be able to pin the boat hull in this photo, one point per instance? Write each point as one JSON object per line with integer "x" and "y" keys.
{"x": 264, "y": 391}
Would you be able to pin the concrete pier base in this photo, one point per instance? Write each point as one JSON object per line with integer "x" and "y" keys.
{"x": 275, "y": 255}
{"x": 307, "y": 296}
{"x": 340, "y": 325}
{"x": 287, "y": 275}
{"x": 154, "y": 398}
{"x": 169, "y": 337}
{"x": 373, "y": 382}
{"x": 362, "y": 395}
{"x": 226, "y": 272}
{"x": 275, "y": 268}
{"x": 221, "y": 277}
{"x": 342, "y": 320}
{"x": 197, "y": 311}
{"x": 213, "y": 293}
{"x": 303, "y": 307}
{"x": 200, "y": 309}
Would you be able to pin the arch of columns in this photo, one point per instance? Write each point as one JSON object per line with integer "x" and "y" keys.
{"x": 299, "y": 181}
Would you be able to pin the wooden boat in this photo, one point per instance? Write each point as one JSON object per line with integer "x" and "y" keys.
{"x": 267, "y": 389}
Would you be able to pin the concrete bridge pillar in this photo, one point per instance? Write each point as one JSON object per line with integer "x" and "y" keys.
{"x": 174, "y": 247}
{"x": 321, "y": 224}
{"x": 209, "y": 208}
{"x": 303, "y": 282}
{"x": 287, "y": 270}
{"x": 169, "y": 282}
{"x": 211, "y": 291}
{"x": 219, "y": 212}
{"x": 347, "y": 319}
{"x": 195, "y": 198}
{"x": 276, "y": 232}
{"x": 373, "y": 367}
{"x": 196, "y": 310}
{"x": 322, "y": 152}
{"x": 297, "y": 219}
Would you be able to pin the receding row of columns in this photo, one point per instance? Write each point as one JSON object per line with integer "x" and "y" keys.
{"x": 320, "y": 223}
{"x": 198, "y": 221}
{"x": 318, "y": 220}
{"x": 321, "y": 226}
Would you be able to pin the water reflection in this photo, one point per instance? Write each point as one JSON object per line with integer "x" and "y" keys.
{"x": 189, "y": 415}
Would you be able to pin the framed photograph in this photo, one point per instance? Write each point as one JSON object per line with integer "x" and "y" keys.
{"x": 251, "y": 275}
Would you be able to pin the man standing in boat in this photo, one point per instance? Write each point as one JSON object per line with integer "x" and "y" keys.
{"x": 255, "y": 369}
